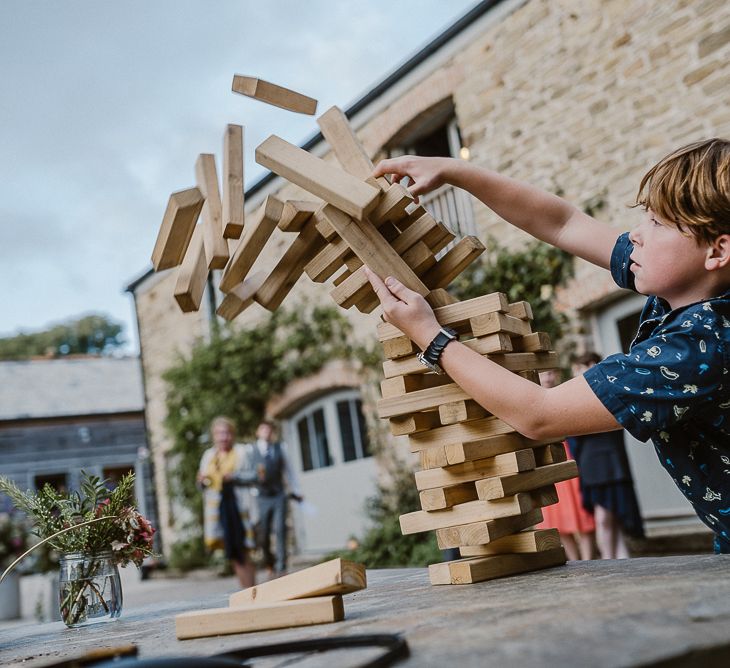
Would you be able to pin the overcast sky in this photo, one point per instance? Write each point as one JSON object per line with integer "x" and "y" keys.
{"x": 106, "y": 105}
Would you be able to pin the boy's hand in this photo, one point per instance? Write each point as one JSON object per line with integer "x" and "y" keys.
{"x": 426, "y": 174}
{"x": 405, "y": 309}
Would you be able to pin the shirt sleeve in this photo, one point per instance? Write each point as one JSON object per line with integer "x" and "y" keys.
{"x": 620, "y": 263}
{"x": 666, "y": 379}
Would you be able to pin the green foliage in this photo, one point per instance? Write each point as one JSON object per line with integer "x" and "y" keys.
{"x": 92, "y": 334}
{"x": 236, "y": 373}
{"x": 383, "y": 545}
{"x": 185, "y": 555}
{"x": 527, "y": 275}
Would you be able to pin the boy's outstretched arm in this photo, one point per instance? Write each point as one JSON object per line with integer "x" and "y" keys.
{"x": 544, "y": 216}
{"x": 570, "y": 409}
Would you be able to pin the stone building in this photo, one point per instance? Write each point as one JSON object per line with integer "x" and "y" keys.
{"x": 575, "y": 97}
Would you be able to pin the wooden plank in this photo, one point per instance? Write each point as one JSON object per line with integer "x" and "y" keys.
{"x": 336, "y": 576}
{"x": 240, "y": 297}
{"x": 273, "y": 94}
{"x": 178, "y": 224}
{"x": 398, "y": 347}
{"x": 488, "y": 323}
{"x": 496, "y": 488}
{"x": 192, "y": 275}
{"x": 392, "y": 206}
{"x": 458, "y": 453}
{"x": 454, "y": 262}
{"x": 521, "y": 310}
{"x": 296, "y": 213}
{"x": 461, "y": 411}
{"x": 454, "y": 315}
{"x": 400, "y": 425}
{"x": 534, "y": 342}
{"x": 504, "y": 464}
{"x": 259, "y": 617}
{"x": 409, "y": 364}
{"x": 322, "y": 179}
{"x": 420, "y": 400}
{"x": 255, "y": 235}
{"x": 553, "y": 453}
{"x": 446, "y": 497}
{"x": 289, "y": 268}
{"x": 233, "y": 181}
{"x": 216, "y": 248}
{"x": 480, "y": 569}
{"x": 479, "y": 533}
{"x": 328, "y": 261}
{"x": 464, "y": 432}
{"x": 397, "y": 387}
{"x": 467, "y": 513}
{"x": 341, "y": 277}
{"x": 433, "y": 458}
{"x": 538, "y": 540}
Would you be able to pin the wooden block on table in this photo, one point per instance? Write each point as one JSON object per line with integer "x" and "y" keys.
{"x": 216, "y": 248}
{"x": 401, "y": 425}
{"x": 433, "y": 458}
{"x": 240, "y": 297}
{"x": 454, "y": 262}
{"x": 273, "y": 94}
{"x": 537, "y": 540}
{"x": 322, "y": 179}
{"x": 192, "y": 275}
{"x": 466, "y": 513}
{"x": 461, "y": 411}
{"x": 289, "y": 268}
{"x": 479, "y": 533}
{"x": 554, "y": 453}
{"x": 233, "y": 182}
{"x": 178, "y": 223}
{"x": 336, "y": 576}
{"x": 534, "y": 342}
{"x": 259, "y": 617}
{"x": 455, "y": 315}
{"x": 479, "y": 569}
{"x": 504, "y": 464}
{"x": 296, "y": 213}
{"x": 498, "y": 487}
{"x": 488, "y": 323}
{"x": 463, "y": 432}
{"x": 446, "y": 497}
{"x": 255, "y": 235}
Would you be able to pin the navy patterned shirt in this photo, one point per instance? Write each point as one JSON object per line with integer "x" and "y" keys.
{"x": 672, "y": 387}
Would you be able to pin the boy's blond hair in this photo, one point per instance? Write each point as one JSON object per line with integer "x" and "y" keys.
{"x": 690, "y": 188}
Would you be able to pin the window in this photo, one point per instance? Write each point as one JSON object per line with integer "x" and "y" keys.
{"x": 58, "y": 481}
{"x": 329, "y": 431}
{"x": 114, "y": 474}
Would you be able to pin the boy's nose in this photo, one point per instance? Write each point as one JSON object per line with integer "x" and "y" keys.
{"x": 635, "y": 235}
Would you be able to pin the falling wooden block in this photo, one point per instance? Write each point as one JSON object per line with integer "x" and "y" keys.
{"x": 454, "y": 262}
{"x": 504, "y": 464}
{"x": 192, "y": 275}
{"x": 216, "y": 248}
{"x": 273, "y": 94}
{"x": 233, "y": 182}
{"x": 463, "y": 432}
{"x": 445, "y": 497}
{"x": 461, "y": 411}
{"x": 328, "y": 261}
{"x": 479, "y": 533}
{"x": 322, "y": 179}
{"x": 259, "y": 617}
{"x": 178, "y": 223}
{"x": 255, "y": 235}
{"x": 539, "y": 540}
{"x": 479, "y": 569}
{"x": 289, "y": 268}
{"x": 296, "y": 213}
{"x": 401, "y": 425}
{"x": 495, "y": 488}
{"x": 240, "y": 297}
{"x": 336, "y": 576}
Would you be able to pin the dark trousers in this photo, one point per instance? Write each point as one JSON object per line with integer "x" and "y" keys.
{"x": 272, "y": 515}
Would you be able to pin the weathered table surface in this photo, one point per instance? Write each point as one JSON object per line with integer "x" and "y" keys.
{"x": 636, "y": 612}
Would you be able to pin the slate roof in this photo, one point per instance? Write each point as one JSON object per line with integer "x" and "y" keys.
{"x": 41, "y": 388}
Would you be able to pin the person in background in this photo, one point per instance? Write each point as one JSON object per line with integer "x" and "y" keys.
{"x": 276, "y": 483}
{"x": 221, "y": 474}
{"x": 575, "y": 524}
{"x": 606, "y": 483}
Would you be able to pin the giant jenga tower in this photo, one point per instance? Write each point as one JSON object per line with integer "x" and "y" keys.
{"x": 481, "y": 483}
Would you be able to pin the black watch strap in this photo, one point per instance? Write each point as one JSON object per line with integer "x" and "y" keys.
{"x": 431, "y": 356}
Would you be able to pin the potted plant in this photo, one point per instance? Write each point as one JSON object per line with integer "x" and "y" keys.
{"x": 13, "y": 542}
{"x": 94, "y": 530}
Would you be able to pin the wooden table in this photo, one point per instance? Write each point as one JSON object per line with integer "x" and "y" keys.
{"x": 639, "y": 612}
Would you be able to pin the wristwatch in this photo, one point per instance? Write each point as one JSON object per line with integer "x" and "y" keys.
{"x": 431, "y": 356}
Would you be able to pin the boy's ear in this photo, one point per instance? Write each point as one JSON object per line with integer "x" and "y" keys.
{"x": 718, "y": 253}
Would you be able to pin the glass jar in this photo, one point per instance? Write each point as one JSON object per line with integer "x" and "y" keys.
{"x": 90, "y": 590}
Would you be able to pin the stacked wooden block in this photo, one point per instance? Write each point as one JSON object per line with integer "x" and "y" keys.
{"x": 311, "y": 596}
{"x": 481, "y": 483}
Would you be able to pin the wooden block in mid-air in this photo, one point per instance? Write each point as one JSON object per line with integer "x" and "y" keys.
{"x": 178, "y": 223}
{"x": 216, "y": 248}
{"x": 192, "y": 274}
{"x": 233, "y": 182}
{"x": 240, "y": 297}
{"x": 274, "y": 94}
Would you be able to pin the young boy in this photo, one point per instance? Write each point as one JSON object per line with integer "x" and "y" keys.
{"x": 672, "y": 387}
